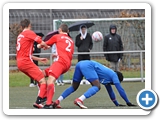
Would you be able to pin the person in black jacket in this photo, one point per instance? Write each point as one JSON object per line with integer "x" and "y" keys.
{"x": 113, "y": 42}
{"x": 33, "y": 83}
{"x": 84, "y": 43}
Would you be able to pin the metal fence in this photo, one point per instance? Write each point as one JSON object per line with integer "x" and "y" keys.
{"x": 137, "y": 59}
{"x": 131, "y": 30}
{"x": 42, "y": 19}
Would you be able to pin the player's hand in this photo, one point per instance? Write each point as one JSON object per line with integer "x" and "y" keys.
{"x": 39, "y": 46}
{"x": 46, "y": 47}
{"x": 130, "y": 104}
{"x": 43, "y": 45}
{"x": 43, "y": 60}
{"x": 120, "y": 105}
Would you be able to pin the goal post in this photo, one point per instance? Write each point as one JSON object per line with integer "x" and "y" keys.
{"x": 131, "y": 30}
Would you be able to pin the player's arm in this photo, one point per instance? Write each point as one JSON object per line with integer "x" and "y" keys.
{"x": 52, "y": 40}
{"x": 38, "y": 39}
{"x": 43, "y": 60}
{"x": 123, "y": 94}
{"x": 112, "y": 95}
{"x": 43, "y": 45}
{"x": 48, "y": 44}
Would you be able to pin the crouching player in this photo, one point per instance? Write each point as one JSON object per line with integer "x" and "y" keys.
{"x": 95, "y": 73}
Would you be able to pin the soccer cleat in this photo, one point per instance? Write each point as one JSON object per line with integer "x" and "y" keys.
{"x": 130, "y": 104}
{"x": 48, "y": 106}
{"x": 39, "y": 106}
{"x": 79, "y": 103}
{"x": 40, "y": 102}
{"x": 56, "y": 104}
{"x": 43, "y": 100}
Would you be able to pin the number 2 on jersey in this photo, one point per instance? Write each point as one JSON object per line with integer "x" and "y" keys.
{"x": 69, "y": 45}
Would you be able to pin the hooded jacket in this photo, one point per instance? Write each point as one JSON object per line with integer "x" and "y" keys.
{"x": 113, "y": 42}
{"x": 84, "y": 45}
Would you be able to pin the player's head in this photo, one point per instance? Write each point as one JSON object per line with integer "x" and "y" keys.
{"x": 63, "y": 28}
{"x": 120, "y": 75}
{"x": 25, "y": 24}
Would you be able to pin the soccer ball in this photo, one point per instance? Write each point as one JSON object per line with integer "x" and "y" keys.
{"x": 97, "y": 36}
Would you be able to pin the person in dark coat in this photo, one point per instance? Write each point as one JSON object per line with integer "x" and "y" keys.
{"x": 113, "y": 42}
{"x": 33, "y": 83}
{"x": 84, "y": 43}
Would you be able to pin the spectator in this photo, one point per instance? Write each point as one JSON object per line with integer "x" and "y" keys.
{"x": 113, "y": 42}
{"x": 84, "y": 43}
{"x": 33, "y": 83}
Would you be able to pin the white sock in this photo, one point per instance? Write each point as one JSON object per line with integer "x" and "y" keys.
{"x": 60, "y": 98}
{"x": 82, "y": 98}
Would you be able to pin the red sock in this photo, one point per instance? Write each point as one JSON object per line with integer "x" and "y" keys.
{"x": 42, "y": 90}
{"x": 50, "y": 93}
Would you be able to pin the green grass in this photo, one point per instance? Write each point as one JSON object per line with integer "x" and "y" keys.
{"x": 74, "y": 61}
{"x": 17, "y": 79}
{"x": 24, "y": 97}
{"x": 21, "y": 96}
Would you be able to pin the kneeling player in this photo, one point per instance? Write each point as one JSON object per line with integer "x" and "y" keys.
{"x": 95, "y": 73}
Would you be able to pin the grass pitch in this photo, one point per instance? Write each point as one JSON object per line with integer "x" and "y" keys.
{"x": 23, "y": 97}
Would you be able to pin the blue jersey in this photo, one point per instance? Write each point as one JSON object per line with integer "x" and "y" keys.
{"x": 93, "y": 70}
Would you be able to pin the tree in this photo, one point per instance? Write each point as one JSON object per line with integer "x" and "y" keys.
{"x": 14, "y": 31}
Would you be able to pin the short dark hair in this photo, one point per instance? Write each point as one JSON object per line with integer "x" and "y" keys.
{"x": 64, "y": 27}
{"x": 120, "y": 75}
{"x": 25, "y": 23}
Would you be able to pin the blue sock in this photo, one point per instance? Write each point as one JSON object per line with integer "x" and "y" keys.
{"x": 91, "y": 91}
{"x": 67, "y": 92}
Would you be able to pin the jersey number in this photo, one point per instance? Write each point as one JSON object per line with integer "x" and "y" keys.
{"x": 69, "y": 45}
{"x": 18, "y": 42}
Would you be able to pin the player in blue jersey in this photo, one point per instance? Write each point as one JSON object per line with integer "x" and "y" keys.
{"x": 95, "y": 73}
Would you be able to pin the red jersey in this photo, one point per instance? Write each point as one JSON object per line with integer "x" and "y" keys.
{"x": 64, "y": 47}
{"x": 25, "y": 42}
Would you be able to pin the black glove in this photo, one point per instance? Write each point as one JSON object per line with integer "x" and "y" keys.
{"x": 130, "y": 104}
{"x": 120, "y": 105}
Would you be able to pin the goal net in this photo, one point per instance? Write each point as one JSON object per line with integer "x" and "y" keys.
{"x": 132, "y": 32}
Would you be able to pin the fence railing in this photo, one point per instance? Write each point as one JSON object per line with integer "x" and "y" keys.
{"x": 100, "y": 54}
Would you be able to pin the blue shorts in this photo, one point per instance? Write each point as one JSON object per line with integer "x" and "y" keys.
{"x": 84, "y": 69}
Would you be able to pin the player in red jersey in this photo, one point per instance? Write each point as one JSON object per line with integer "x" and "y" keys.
{"x": 25, "y": 42}
{"x": 65, "y": 49}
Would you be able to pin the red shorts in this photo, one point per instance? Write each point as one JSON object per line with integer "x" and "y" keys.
{"x": 56, "y": 69}
{"x": 31, "y": 70}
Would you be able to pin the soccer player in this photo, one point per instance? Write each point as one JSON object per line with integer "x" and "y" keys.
{"x": 65, "y": 48}
{"x": 95, "y": 73}
{"x": 25, "y": 42}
